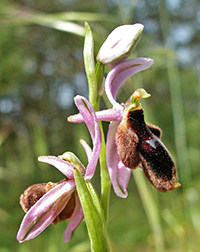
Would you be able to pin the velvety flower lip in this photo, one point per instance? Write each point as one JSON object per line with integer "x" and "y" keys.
{"x": 51, "y": 204}
{"x": 131, "y": 142}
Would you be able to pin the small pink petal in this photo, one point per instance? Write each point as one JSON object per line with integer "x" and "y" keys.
{"x": 87, "y": 149}
{"x": 119, "y": 175}
{"x": 103, "y": 115}
{"x": 122, "y": 72}
{"x": 63, "y": 166}
{"x": 95, "y": 152}
{"x": 110, "y": 114}
{"x": 45, "y": 210}
{"x": 75, "y": 220}
{"x": 77, "y": 118}
{"x": 124, "y": 174}
{"x": 87, "y": 113}
{"x": 91, "y": 121}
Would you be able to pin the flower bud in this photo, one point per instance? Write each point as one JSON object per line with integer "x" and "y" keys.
{"x": 119, "y": 44}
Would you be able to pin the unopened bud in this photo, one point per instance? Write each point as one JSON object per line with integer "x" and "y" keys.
{"x": 119, "y": 44}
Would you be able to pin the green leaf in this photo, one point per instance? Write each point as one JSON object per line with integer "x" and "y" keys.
{"x": 12, "y": 15}
{"x": 93, "y": 219}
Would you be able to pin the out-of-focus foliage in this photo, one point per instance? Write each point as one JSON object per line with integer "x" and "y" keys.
{"x": 41, "y": 69}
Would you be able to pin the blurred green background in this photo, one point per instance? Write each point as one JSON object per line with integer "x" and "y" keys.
{"x": 41, "y": 70}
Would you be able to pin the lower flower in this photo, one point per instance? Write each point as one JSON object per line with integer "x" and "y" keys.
{"x": 60, "y": 202}
{"x": 48, "y": 203}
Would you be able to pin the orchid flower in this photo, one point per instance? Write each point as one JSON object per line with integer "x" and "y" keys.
{"x": 122, "y": 134}
{"x": 48, "y": 203}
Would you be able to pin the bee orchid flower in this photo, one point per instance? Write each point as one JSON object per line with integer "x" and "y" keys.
{"x": 48, "y": 203}
{"x": 130, "y": 141}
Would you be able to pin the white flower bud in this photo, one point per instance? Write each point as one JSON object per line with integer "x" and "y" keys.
{"x": 119, "y": 44}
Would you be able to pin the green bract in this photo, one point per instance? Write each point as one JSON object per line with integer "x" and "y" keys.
{"x": 94, "y": 220}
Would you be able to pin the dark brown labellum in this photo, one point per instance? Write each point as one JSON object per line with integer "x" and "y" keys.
{"x": 138, "y": 142}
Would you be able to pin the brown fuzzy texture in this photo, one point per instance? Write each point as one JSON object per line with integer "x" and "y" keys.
{"x": 33, "y": 193}
{"x": 127, "y": 142}
{"x": 161, "y": 183}
{"x": 155, "y": 129}
{"x": 138, "y": 142}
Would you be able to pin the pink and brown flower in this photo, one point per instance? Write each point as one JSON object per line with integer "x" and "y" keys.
{"x": 48, "y": 203}
{"x": 130, "y": 141}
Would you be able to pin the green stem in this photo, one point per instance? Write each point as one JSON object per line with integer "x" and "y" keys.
{"x": 105, "y": 179}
